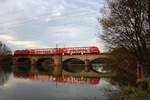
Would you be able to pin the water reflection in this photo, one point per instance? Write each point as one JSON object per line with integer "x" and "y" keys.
{"x": 35, "y": 86}
{"x": 62, "y": 79}
{"x": 4, "y": 76}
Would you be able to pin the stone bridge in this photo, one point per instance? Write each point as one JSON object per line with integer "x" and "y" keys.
{"x": 58, "y": 59}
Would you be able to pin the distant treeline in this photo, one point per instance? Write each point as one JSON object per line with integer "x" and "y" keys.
{"x": 5, "y": 56}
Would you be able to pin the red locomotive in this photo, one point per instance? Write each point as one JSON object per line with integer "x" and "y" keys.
{"x": 72, "y": 50}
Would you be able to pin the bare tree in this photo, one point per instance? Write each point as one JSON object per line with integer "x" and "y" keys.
{"x": 127, "y": 25}
{"x": 4, "y": 50}
{"x": 5, "y": 57}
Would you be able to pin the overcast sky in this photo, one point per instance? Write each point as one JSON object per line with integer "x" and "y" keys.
{"x": 45, "y": 23}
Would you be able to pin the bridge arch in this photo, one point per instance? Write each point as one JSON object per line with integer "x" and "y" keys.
{"x": 24, "y": 64}
{"x": 73, "y": 65}
{"x": 101, "y": 64}
{"x": 45, "y": 64}
{"x": 101, "y": 60}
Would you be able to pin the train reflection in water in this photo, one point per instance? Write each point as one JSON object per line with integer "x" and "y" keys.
{"x": 61, "y": 79}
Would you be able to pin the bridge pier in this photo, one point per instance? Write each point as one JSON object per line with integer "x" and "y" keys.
{"x": 87, "y": 65}
{"x": 33, "y": 61}
{"x": 58, "y": 65}
{"x": 33, "y": 65}
{"x": 14, "y": 62}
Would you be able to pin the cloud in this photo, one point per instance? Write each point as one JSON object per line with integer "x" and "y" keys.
{"x": 6, "y": 37}
{"x": 25, "y": 44}
{"x": 21, "y": 43}
{"x": 15, "y": 12}
{"x": 43, "y": 23}
{"x": 64, "y": 30}
{"x": 41, "y": 9}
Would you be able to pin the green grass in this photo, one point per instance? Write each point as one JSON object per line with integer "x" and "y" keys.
{"x": 89, "y": 74}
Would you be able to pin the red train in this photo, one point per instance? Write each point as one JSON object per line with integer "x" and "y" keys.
{"x": 72, "y": 50}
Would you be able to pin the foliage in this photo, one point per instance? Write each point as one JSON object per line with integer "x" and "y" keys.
{"x": 5, "y": 63}
{"x": 130, "y": 93}
{"x": 5, "y": 57}
{"x": 125, "y": 66}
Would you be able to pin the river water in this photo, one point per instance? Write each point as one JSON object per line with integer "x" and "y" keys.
{"x": 29, "y": 86}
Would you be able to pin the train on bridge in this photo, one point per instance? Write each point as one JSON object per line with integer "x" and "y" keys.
{"x": 71, "y": 50}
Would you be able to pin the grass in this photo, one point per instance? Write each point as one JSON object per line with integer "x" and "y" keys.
{"x": 89, "y": 74}
{"x": 130, "y": 93}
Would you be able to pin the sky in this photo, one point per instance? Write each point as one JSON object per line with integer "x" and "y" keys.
{"x": 26, "y": 24}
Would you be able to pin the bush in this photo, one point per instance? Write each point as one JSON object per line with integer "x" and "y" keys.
{"x": 130, "y": 93}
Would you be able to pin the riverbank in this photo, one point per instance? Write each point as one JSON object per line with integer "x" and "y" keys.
{"x": 89, "y": 74}
{"x": 130, "y": 93}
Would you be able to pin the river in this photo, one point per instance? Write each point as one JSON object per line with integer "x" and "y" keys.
{"x": 29, "y": 86}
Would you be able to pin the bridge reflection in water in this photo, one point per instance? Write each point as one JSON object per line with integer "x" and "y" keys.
{"x": 61, "y": 79}
{"x": 39, "y": 86}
